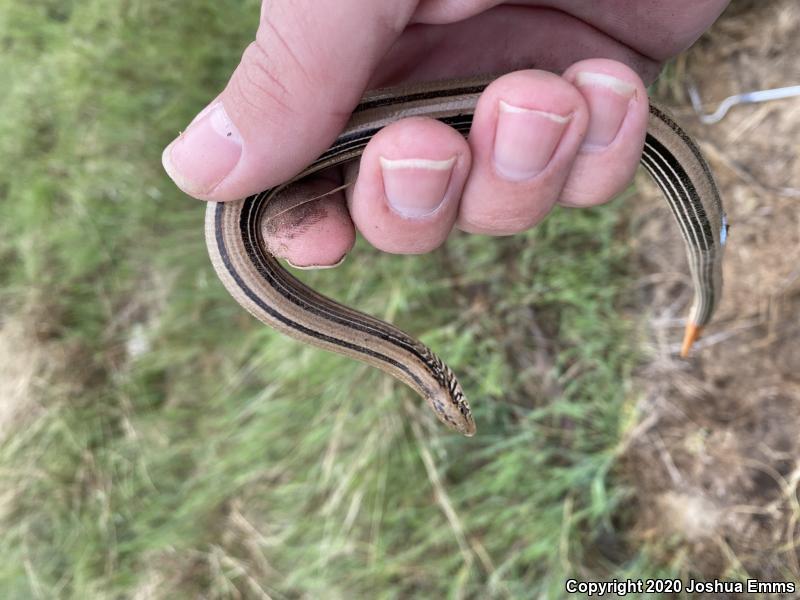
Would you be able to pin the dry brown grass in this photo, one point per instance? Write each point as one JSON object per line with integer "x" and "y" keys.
{"x": 31, "y": 366}
{"x": 715, "y": 460}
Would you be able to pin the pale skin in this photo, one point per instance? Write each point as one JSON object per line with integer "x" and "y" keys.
{"x": 569, "y": 131}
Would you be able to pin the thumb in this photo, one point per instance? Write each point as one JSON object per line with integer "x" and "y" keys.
{"x": 290, "y": 96}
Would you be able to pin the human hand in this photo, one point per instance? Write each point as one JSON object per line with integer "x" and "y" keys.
{"x": 537, "y": 138}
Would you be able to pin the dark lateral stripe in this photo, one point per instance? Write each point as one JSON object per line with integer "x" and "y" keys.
{"x": 689, "y": 142}
{"x": 285, "y": 284}
{"x": 705, "y": 262}
{"x": 223, "y": 252}
{"x": 681, "y": 176}
{"x": 649, "y": 165}
{"x": 678, "y": 196}
{"x": 675, "y": 195}
{"x": 325, "y": 307}
{"x": 694, "y": 258}
{"x": 415, "y": 97}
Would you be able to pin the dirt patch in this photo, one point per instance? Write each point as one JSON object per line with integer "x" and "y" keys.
{"x": 715, "y": 458}
{"x": 26, "y": 364}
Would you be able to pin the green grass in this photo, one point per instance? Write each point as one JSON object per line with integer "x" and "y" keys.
{"x": 225, "y": 460}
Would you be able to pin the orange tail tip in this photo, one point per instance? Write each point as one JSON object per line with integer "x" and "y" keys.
{"x": 689, "y": 338}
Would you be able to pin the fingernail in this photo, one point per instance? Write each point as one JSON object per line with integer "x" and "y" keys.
{"x": 203, "y": 155}
{"x": 608, "y": 99}
{"x": 415, "y": 187}
{"x": 526, "y": 140}
{"x": 316, "y": 267}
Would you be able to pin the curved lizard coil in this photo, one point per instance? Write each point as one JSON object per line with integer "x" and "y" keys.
{"x": 262, "y": 286}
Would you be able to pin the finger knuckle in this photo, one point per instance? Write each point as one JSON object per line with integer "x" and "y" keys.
{"x": 259, "y": 83}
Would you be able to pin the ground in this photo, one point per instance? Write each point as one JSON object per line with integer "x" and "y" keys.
{"x": 714, "y": 458}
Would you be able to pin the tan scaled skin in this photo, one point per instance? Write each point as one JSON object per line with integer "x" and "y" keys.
{"x": 260, "y": 284}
